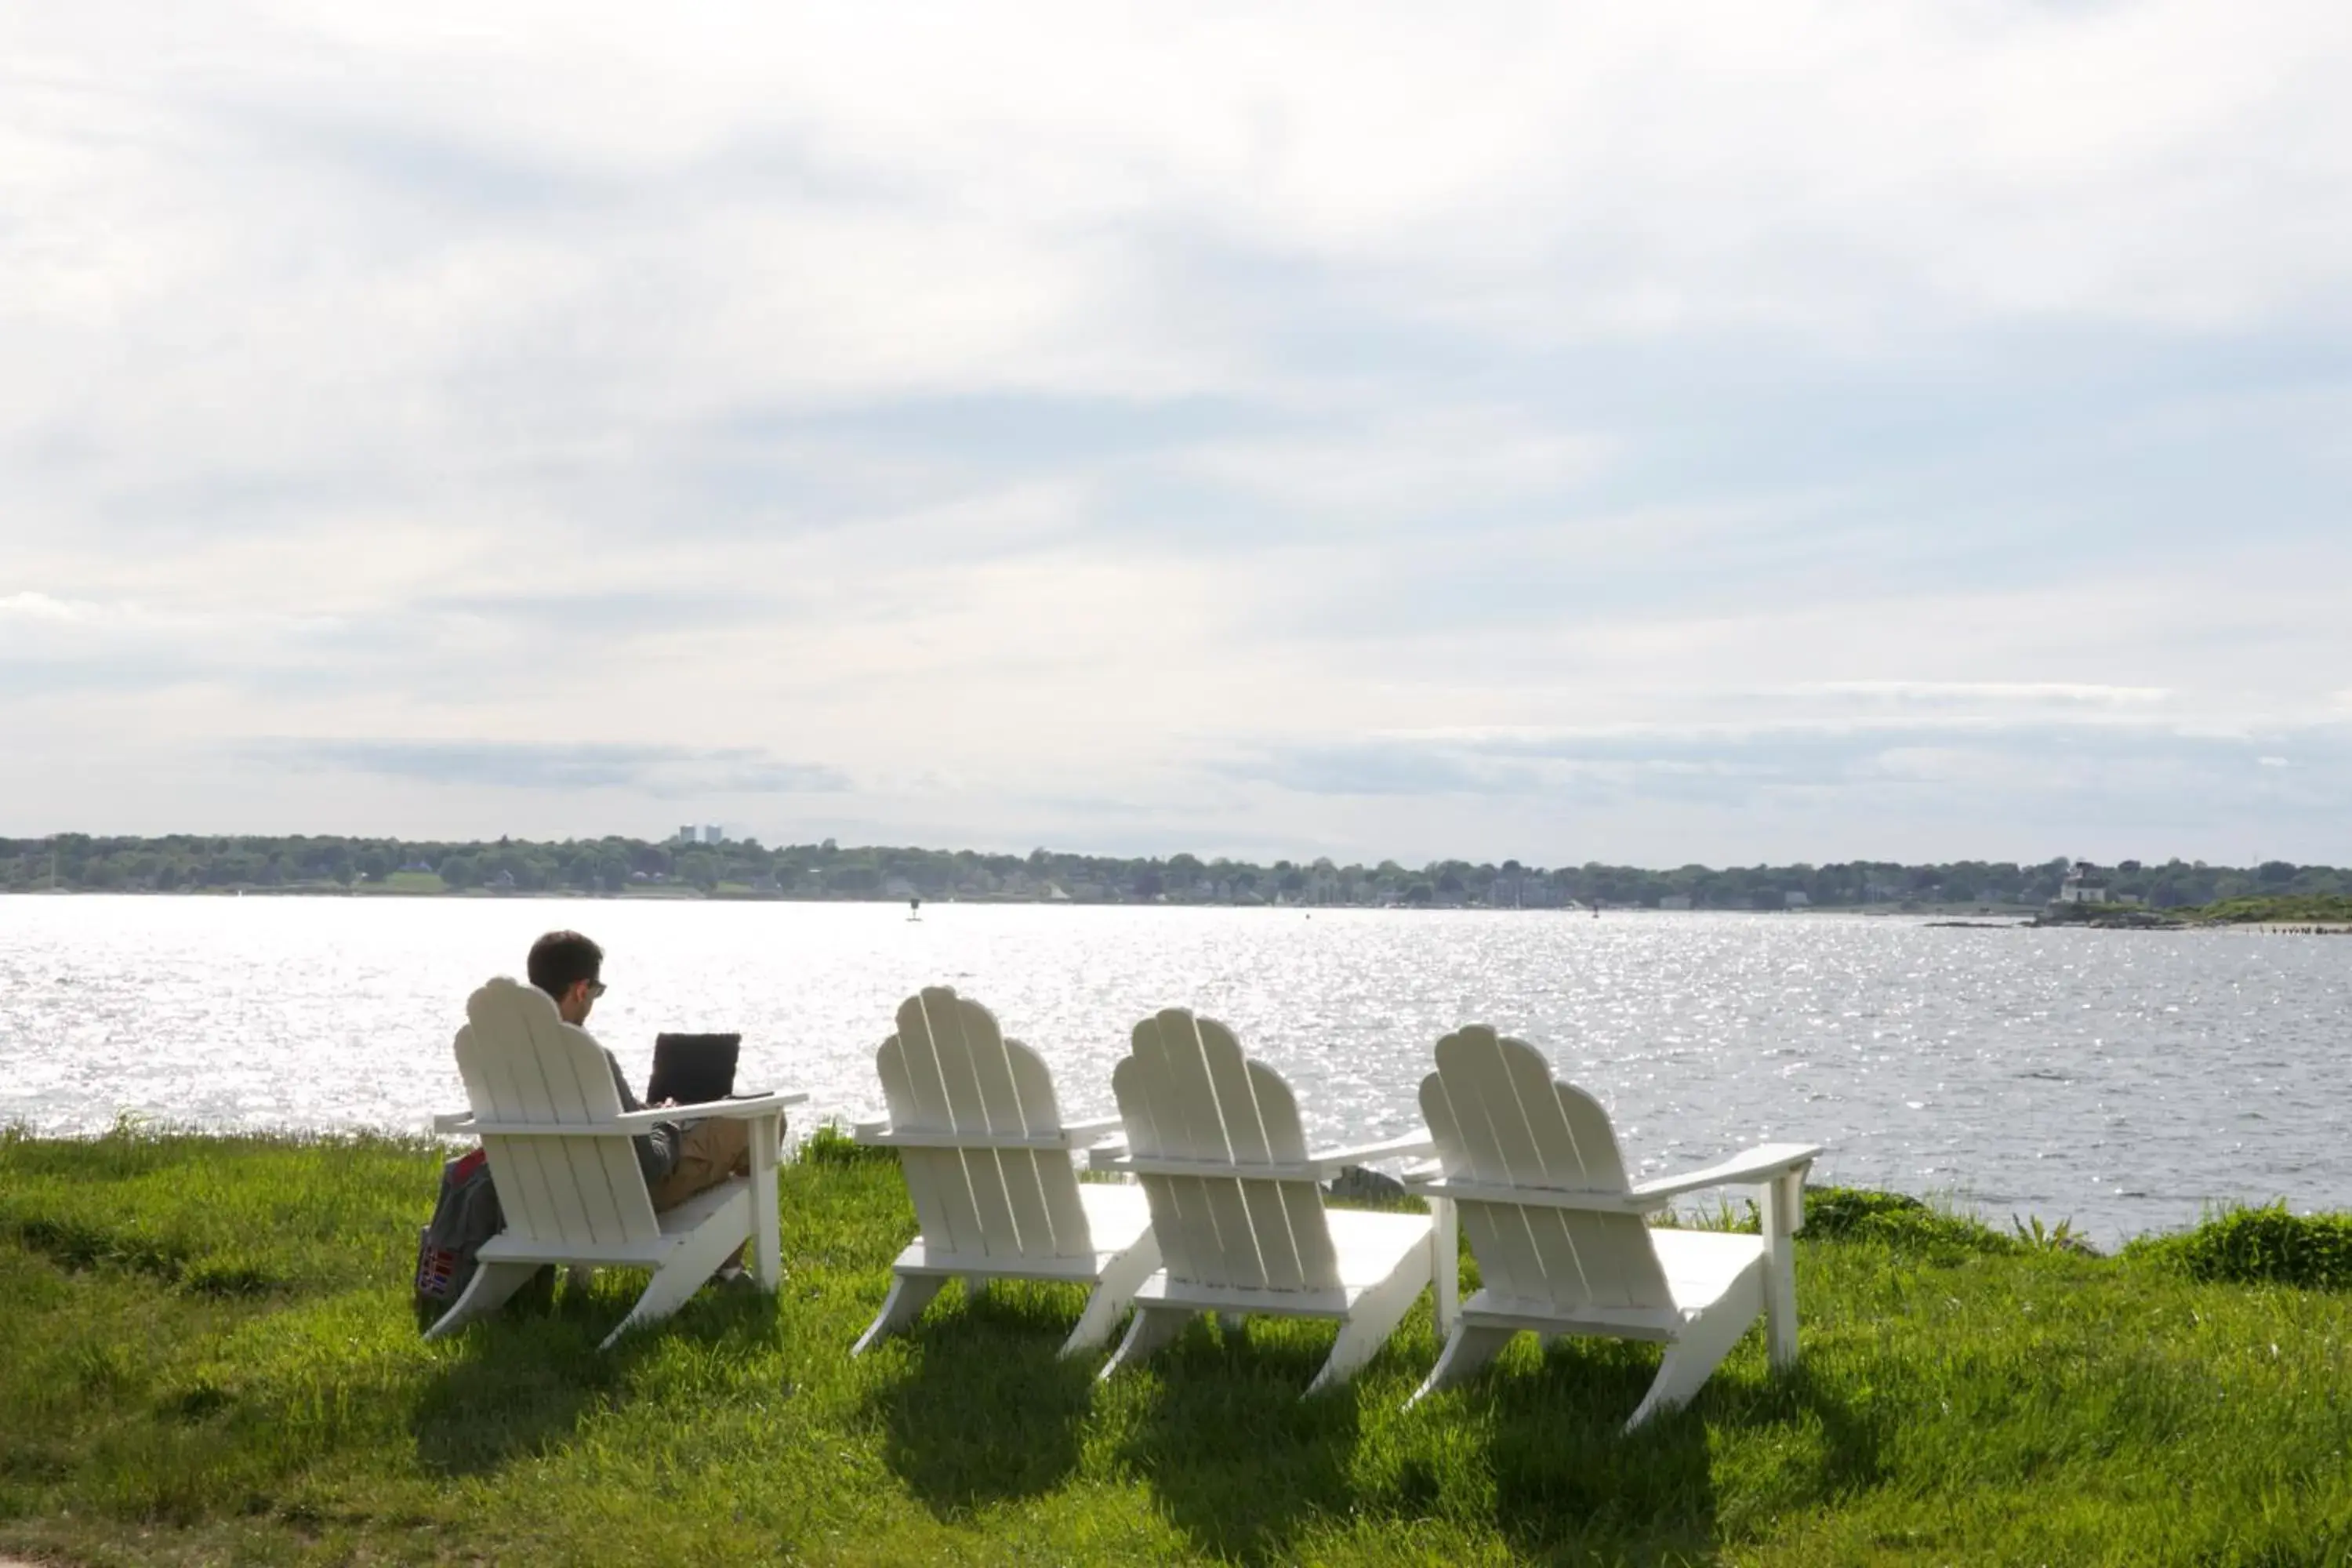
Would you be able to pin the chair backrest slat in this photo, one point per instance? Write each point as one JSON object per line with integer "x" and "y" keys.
{"x": 1187, "y": 1092}
{"x": 521, "y": 1063}
{"x": 1498, "y": 1117}
{"x": 951, "y": 1070}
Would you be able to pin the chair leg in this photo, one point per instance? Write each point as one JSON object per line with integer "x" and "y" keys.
{"x": 1784, "y": 1201}
{"x": 1151, "y": 1328}
{"x": 1377, "y": 1313}
{"x": 690, "y": 1263}
{"x": 909, "y": 1294}
{"x": 1466, "y": 1350}
{"x": 1118, "y": 1287}
{"x": 1689, "y": 1360}
{"x": 485, "y": 1293}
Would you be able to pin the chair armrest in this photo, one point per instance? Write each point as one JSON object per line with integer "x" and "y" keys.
{"x": 1462, "y": 1190}
{"x": 864, "y": 1125}
{"x": 888, "y": 1138}
{"x": 1106, "y": 1156}
{"x": 1763, "y": 1164}
{"x": 1161, "y": 1165}
{"x": 742, "y": 1109}
{"x": 878, "y": 1133}
{"x": 1328, "y": 1161}
{"x": 631, "y": 1123}
{"x": 1083, "y": 1134}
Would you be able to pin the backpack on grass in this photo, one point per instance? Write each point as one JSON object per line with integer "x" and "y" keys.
{"x": 465, "y": 1215}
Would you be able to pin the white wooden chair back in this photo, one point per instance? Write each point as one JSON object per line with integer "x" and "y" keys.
{"x": 950, "y": 1069}
{"x": 1253, "y": 1219}
{"x": 1500, "y": 1119}
{"x": 524, "y": 1064}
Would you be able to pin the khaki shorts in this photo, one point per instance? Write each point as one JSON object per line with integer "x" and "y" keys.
{"x": 708, "y": 1151}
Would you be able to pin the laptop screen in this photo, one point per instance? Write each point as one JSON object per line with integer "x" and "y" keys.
{"x": 693, "y": 1069}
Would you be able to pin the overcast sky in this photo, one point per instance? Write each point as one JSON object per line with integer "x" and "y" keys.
{"x": 1639, "y": 433}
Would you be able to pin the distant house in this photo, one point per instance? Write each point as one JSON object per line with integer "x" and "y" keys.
{"x": 2083, "y": 885}
{"x": 1796, "y": 900}
{"x": 1675, "y": 901}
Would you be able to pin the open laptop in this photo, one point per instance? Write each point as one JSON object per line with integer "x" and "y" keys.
{"x": 693, "y": 1069}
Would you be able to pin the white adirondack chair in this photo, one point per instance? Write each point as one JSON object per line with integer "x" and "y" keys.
{"x": 987, "y": 1159}
{"x": 550, "y": 1119}
{"x": 1533, "y": 1169}
{"x": 1236, "y": 1204}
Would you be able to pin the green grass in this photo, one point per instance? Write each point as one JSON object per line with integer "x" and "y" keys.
{"x": 410, "y": 882}
{"x": 2284, "y": 908}
{"x": 2259, "y": 1246}
{"x": 206, "y": 1354}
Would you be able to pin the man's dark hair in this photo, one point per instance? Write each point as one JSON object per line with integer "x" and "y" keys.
{"x": 562, "y": 958}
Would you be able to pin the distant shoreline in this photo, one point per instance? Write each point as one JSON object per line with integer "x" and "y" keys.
{"x": 1980, "y": 917}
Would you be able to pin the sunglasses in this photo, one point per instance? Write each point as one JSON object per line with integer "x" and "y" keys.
{"x": 595, "y": 989}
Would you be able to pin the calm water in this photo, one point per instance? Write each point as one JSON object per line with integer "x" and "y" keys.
{"x": 2123, "y": 1079}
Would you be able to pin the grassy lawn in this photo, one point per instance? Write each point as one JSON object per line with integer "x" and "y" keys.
{"x": 206, "y": 1354}
{"x": 2285, "y": 908}
{"x": 408, "y": 882}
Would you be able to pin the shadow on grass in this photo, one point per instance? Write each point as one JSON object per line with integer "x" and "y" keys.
{"x": 986, "y": 1411}
{"x": 1238, "y": 1460}
{"x": 523, "y": 1381}
{"x": 1566, "y": 1475}
{"x": 1564, "y": 1471}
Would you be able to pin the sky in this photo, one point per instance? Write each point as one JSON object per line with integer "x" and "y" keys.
{"x": 1645, "y": 434}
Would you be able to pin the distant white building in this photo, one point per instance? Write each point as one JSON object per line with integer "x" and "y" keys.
{"x": 2082, "y": 886}
{"x": 1796, "y": 900}
{"x": 1675, "y": 901}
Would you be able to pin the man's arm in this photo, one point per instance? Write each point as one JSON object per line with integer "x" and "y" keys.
{"x": 656, "y": 1149}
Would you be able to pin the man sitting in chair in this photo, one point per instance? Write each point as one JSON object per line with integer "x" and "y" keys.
{"x": 679, "y": 1158}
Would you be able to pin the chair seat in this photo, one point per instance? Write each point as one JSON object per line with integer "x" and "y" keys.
{"x": 1369, "y": 1247}
{"x": 1702, "y": 1265}
{"x": 1117, "y": 1213}
{"x": 676, "y": 1224}
{"x": 1117, "y": 1216}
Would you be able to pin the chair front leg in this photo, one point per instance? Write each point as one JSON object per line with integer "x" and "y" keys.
{"x": 1783, "y": 1207}
{"x": 767, "y": 1243}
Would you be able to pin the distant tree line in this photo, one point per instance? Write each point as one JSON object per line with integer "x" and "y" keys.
{"x": 746, "y": 868}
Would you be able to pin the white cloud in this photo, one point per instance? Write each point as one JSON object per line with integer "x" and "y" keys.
{"x": 1936, "y": 694}
{"x": 41, "y": 608}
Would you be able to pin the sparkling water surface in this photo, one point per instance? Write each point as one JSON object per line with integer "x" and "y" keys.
{"x": 2124, "y": 1079}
